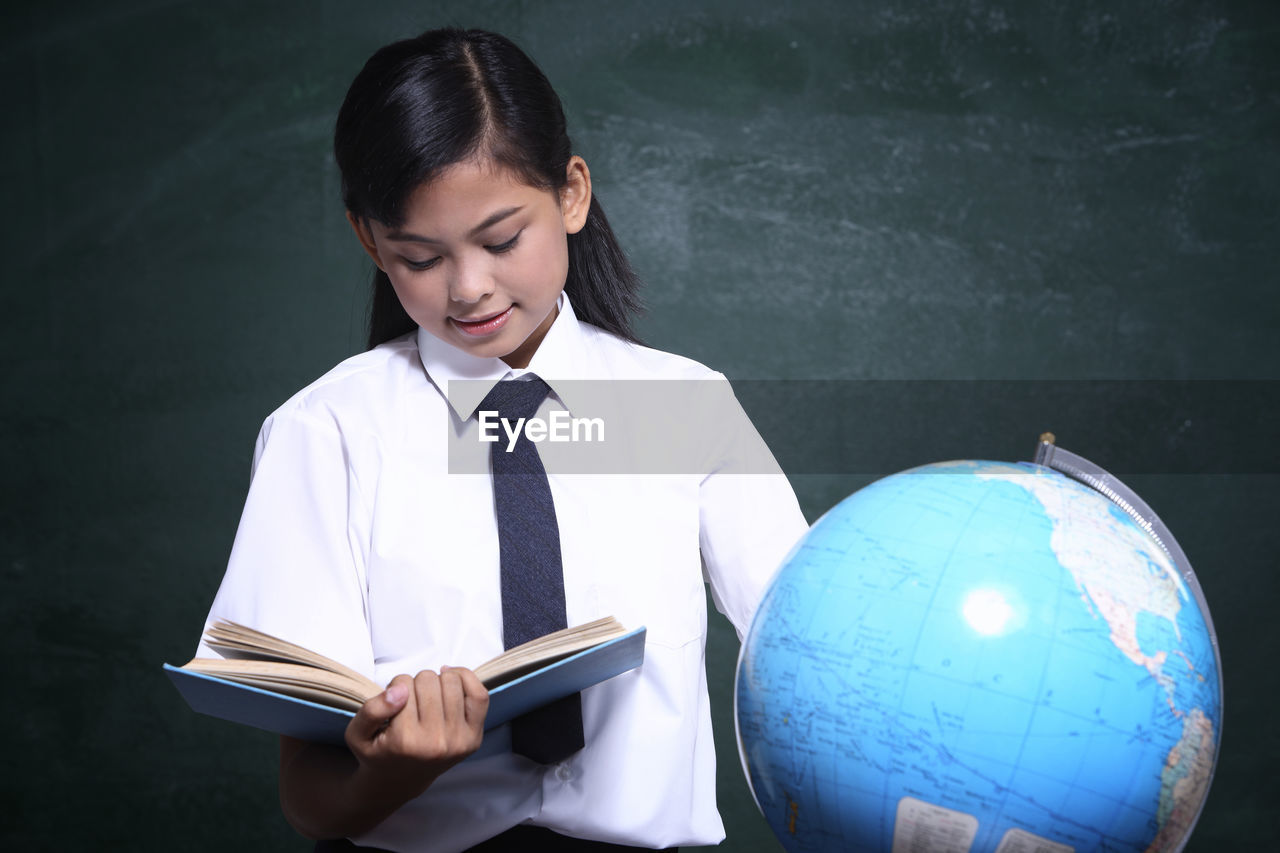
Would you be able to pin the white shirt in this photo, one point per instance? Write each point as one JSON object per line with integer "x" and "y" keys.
{"x": 357, "y": 541}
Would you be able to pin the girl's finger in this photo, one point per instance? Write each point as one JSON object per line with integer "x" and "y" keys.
{"x": 452, "y": 698}
{"x": 476, "y": 703}
{"x": 426, "y": 691}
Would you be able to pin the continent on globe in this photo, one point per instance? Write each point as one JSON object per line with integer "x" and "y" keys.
{"x": 1088, "y": 544}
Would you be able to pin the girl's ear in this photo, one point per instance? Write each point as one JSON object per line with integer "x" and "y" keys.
{"x": 575, "y": 195}
{"x": 365, "y": 236}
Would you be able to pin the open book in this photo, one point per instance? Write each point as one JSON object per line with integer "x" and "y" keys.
{"x": 272, "y": 684}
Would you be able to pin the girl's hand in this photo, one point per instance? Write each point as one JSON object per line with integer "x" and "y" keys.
{"x": 415, "y": 730}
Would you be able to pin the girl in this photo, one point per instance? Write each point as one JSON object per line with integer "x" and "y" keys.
{"x": 362, "y": 540}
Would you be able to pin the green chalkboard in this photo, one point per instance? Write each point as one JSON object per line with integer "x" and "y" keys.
{"x": 910, "y": 230}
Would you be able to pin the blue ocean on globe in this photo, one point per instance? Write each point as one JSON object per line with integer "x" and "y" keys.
{"x": 979, "y": 656}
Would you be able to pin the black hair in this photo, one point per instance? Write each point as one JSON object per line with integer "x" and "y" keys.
{"x": 423, "y": 104}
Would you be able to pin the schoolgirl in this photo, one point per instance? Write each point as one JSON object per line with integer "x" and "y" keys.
{"x": 362, "y": 540}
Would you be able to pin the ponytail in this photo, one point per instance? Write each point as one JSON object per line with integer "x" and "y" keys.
{"x": 604, "y": 290}
{"x": 387, "y": 317}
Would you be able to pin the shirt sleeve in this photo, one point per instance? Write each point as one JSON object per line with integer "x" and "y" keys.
{"x": 297, "y": 568}
{"x": 750, "y": 518}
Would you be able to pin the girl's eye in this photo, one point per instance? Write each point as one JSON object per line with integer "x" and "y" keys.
{"x": 507, "y": 246}
{"x": 421, "y": 265}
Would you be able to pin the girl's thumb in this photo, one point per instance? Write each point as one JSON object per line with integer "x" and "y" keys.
{"x": 377, "y": 711}
{"x": 395, "y": 695}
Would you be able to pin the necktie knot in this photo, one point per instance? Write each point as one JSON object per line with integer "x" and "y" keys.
{"x": 516, "y": 399}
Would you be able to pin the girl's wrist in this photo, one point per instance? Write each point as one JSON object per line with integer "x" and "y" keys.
{"x": 379, "y": 790}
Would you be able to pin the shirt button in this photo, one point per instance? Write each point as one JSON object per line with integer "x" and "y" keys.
{"x": 564, "y": 773}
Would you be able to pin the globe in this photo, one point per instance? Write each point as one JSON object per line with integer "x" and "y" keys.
{"x": 979, "y": 656}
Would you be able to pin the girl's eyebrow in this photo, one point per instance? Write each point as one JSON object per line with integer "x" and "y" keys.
{"x": 406, "y": 237}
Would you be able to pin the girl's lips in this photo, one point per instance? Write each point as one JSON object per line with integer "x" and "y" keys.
{"x": 486, "y": 326}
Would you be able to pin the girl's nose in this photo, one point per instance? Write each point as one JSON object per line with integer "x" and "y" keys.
{"x": 470, "y": 283}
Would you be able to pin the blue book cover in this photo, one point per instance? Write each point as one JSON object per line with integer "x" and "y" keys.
{"x": 305, "y": 720}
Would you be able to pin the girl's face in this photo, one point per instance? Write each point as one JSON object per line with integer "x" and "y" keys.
{"x": 482, "y": 257}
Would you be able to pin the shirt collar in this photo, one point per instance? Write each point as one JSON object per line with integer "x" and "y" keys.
{"x": 561, "y": 357}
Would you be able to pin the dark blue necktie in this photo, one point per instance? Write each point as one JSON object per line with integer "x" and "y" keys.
{"x": 532, "y": 579}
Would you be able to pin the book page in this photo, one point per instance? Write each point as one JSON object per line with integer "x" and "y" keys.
{"x": 290, "y": 679}
{"x": 529, "y": 656}
{"x": 238, "y": 641}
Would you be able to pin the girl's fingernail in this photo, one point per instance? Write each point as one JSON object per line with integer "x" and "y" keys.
{"x": 396, "y": 694}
